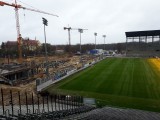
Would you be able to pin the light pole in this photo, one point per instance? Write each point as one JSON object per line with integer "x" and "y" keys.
{"x": 95, "y": 34}
{"x": 80, "y": 49}
{"x": 45, "y": 22}
{"x": 104, "y": 36}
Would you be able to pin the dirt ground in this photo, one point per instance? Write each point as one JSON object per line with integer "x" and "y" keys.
{"x": 30, "y": 87}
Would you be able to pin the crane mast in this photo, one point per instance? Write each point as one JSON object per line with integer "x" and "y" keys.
{"x": 19, "y": 37}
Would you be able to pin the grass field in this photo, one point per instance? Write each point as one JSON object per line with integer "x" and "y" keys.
{"x": 124, "y": 82}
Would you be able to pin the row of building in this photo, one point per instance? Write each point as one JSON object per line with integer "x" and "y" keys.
{"x": 27, "y": 43}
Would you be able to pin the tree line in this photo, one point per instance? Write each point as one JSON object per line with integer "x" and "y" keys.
{"x": 12, "y": 51}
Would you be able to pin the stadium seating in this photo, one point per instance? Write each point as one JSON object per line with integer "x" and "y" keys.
{"x": 111, "y": 113}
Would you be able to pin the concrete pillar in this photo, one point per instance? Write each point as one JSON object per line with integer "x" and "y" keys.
{"x": 133, "y": 39}
{"x": 139, "y": 42}
{"x": 126, "y": 44}
{"x": 145, "y": 39}
{"x": 152, "y": 39}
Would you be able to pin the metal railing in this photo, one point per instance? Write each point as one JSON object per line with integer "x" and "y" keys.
{"x": 27, "y": 105}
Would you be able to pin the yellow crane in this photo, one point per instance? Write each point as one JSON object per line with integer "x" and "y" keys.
{"x": 17, "y": 7}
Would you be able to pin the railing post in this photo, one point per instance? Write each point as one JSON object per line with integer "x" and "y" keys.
{"x": 43, "y": 103}
{"x": 76, "y": 101}
{"x": 19, "y": 97}
{"x": 72, "y": 102}
{"x": 26, "y": 102}
{"x": 47, "y": 104}
{"x": 51, "y": 97}
{"x": 32, "y": 103}
{"x": 2, "y": 100}
{"x": 11, "y": 102}
{"x": 61, "y": 101}
{"x": 55, "y": 99}
{"x": 38, "y": 103}
{"x": 67, "y": 98}
{"x": 58, "y": 102}
{"x": 79, "y": 101}
{"x": 65, "y": 102}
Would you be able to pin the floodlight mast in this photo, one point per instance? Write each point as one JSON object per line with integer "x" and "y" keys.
{"x": 95, "y": 34}
{"x": 104, "y": 36}
{"x": 80, "y": 30}
{"x": 45, "y": 22}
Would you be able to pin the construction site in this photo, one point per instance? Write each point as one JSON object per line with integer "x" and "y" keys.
{"x": 44, "y": 78}
{"x": 22, "y": 71}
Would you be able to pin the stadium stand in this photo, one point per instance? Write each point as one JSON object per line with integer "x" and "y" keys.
{"x": 111, "y": 113}
{"x": 143, "y": 43}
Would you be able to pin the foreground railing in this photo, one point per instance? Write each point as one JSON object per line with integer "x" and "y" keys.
{"x": 29, "y": 105}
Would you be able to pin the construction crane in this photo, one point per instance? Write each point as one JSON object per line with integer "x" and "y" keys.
{"x": 69, "y": 38}
{"x": 80, "y": 30}
{"x": 69, "y": 35}
{"x": 19, "y": 37}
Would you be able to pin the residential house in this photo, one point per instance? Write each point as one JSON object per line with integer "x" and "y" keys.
{"x": 28, "y": 44}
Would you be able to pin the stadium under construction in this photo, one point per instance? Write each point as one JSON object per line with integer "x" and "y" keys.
{"x": 43, "y": 105}
{"x": 143, "y": 43}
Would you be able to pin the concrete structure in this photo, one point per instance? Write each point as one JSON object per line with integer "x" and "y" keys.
{"x": 14, "y": 73}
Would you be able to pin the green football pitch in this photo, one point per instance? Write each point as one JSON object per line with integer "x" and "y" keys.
{"x": 123, "y": 82}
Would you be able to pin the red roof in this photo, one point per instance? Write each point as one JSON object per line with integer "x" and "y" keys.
{"x": 30, "y": 42}
{"x": 11, "y": 43}
{"x": 24, "y": 42}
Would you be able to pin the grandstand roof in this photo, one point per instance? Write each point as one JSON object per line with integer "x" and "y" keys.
{"x": 143, "y": 33}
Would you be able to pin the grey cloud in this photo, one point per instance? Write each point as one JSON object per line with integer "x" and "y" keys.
{"x": 110, "y": 17}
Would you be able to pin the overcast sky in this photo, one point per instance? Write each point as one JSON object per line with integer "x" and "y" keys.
{"x": 110, "y": 17}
